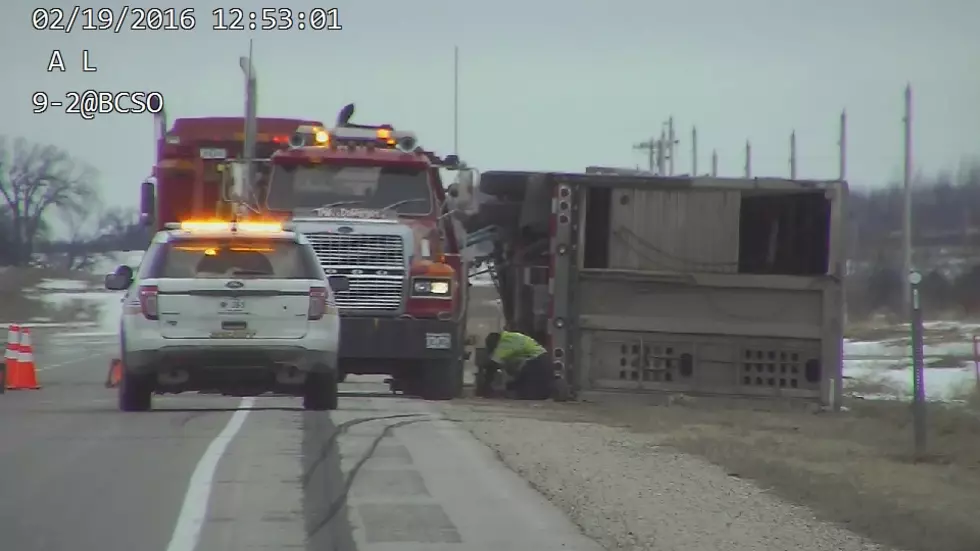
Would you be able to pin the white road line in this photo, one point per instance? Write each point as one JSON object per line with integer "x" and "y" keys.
{"x": 194, "y": 511}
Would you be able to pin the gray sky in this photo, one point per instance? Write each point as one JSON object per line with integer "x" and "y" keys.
{"x": 544, "y": 85}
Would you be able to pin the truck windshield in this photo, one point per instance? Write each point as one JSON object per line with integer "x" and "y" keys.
{"x": 367, "y": 187}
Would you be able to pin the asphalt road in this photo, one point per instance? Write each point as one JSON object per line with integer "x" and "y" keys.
{"x": 211, "y": 473}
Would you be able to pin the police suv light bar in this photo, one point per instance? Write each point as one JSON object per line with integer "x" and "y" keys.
{"x": 220, "y": 225}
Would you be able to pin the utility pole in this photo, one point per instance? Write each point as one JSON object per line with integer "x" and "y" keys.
{"x": 907, "y": 218}
{"x": 694, "y": 152}
{"x": 251, "y": 112}
{"x": 748, "y": 159}
{"x": 714, "y": 163}
{"x": 792, "y": 155}
{"x": 650, "y": 147}
{"x": 849, "y": 246}
{"x": 661, "y": 154}
{"x": 671, "y": 142}
{"x": 842, "y": 143}
{"x": 456, "y": 100}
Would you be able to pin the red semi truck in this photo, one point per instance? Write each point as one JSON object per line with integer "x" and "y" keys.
{"x": 190, "y": 158}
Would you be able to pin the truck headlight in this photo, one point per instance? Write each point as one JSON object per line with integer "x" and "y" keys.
{"x": 431, "y": 287}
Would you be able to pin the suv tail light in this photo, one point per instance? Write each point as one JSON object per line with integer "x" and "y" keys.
{"x": 318, "y": 303}
{"x": 149, "y": 302}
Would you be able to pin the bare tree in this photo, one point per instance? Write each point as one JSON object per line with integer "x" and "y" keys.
{"x": 78, "y": 250}
{"x": 33, "y": 179}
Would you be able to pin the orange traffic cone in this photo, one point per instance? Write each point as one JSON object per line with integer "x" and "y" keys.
{"x": 11, "y": 357}
{"x": 114, "y": 377}
{"x": 25, "y": 363}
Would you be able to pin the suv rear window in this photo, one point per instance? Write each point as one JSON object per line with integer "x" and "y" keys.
{"x": 235, "y": 257}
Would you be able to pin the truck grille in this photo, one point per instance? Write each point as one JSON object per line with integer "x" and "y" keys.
{"x": 374, "y": 264}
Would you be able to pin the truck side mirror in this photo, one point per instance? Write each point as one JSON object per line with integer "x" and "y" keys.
{"x": 339, "y": 284}
{"x": 148, "y": 204}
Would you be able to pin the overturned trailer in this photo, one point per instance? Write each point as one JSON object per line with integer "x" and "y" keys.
{"x": 696, "y": 285}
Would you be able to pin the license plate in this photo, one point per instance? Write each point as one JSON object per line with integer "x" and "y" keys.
{"x": 232, "y": 305}
{"x": 233, "y": 334}
{"x": 213, "y": 153}
{"x": 438, "y": 341}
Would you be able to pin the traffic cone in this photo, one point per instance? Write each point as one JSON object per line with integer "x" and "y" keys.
{"x": 11, "y": 356}
{"x": 114, "y": 376}
{"x": 25, "y": 363}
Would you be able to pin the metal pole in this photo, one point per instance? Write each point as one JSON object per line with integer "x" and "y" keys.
{"x": 456, "y": 100}
{"x": 661, "y": 154}
{"x": 714, "y": 163}
{"x": 672, "y": 141}
{"x": 251, "y": 89}
{"x": 918, "y": 380}
{"x": 792, "y": 155}
{"x": 694, "y": 152}
{"x": 907, "y": 214}
{"x": 842, "y": 142}
{"x": 650, "y": 146}
{"x": 748, "y": 159}
{"x": 842, "y": 175}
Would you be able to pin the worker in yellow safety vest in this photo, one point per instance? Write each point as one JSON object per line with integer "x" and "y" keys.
{"x": 521, "y": 357}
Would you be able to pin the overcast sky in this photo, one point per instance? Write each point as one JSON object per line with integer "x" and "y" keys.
{"x": 544, "y": 84}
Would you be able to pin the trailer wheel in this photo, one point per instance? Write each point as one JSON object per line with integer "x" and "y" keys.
{"x": 561, "y": 392}
{"x": 511, "y": 185}
{"x": 442, "y": 380}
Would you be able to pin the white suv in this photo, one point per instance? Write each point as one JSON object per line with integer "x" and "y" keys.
{"x": 233, "y": 308}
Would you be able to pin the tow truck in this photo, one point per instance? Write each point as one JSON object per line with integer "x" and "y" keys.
{"x": 372, "y": 203}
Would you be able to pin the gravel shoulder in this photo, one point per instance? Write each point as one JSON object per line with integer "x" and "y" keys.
{"x": 708, "y": 474}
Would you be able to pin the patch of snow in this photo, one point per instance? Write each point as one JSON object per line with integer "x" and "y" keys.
{"x": 482, "y": 280}
{"x": 889, "y": 364}
{"x": 45, "y": 322}
{"x": 89, "y": 334}
{"x": 107, "y": 306}
{"x": 107, "y": 263}
{"x": 62, "y": 285}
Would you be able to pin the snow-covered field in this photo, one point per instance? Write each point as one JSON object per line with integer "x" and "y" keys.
{"x": 883, "y": 368}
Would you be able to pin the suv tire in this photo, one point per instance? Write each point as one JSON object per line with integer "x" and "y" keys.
{"x": 320, "y": 392}
{"x": 135, "y": 392}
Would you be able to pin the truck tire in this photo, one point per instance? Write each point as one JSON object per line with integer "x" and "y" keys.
{"x": 443, "y": 380}
{"x": 320, "y": 392}
{"x": 511, "y": 185}
{"x": 135, "y": 392}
